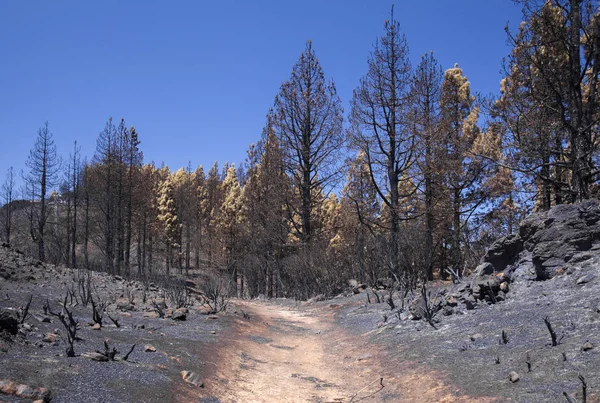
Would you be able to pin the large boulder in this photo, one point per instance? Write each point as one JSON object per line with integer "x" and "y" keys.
{"x": 550, "y": 241}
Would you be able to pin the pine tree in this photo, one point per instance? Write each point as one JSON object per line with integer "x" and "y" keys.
{"x": 265, "y": 195}
{"x": 229, "y": 223}
{"x": 167, "y": 217}
{"x": 44, "y": 166}
{"x": 426, "y": 90}
{"x": 550, "y": 96}
{"x": 8, "y": 189}
{"x": 378, "y": 119}
{"x": 308, "y": 123}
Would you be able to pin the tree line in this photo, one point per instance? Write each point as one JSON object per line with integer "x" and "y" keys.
{"x": 420, "y": 179}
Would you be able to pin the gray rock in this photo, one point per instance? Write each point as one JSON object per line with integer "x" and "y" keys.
{"x": 192, "y": 378}
{"x": 587, "y": 346}
{"x": 452, "y": 301}
{"x": 124, "y": 305}
{"x": 513, "y": 376}
{"x": 548, "y": 244}
{"x": 502, "y": 253}
{"x": 180, "y": 314}
{"x": 417, "y": 308}
{"x": 447, "y": 311}
{"x": 476, "y": 336}
{"x": 585, "y": 279}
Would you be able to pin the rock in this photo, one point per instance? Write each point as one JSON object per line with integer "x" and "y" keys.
{"x": 50, "y": 337}
{"x": 212, "y": 317}
{"x": 469, "y": 304}
{"x": 364, "y": 357}
{"x": 8, "y": 387}
{"x": 192, "y": 378}
{"x": 125, "y": 314}
{"x": 452, "y": 301}
{"x": 513, "y": 376}
{"x": 476, "y": 336}
{"x": 484, "y": 283}
{"x": 484, "y": 269}
{"x": 504, "y": 286}
{"x": 503, "y": 252}
{"x": 94, "y": 356}
{"x": 123, "y": 304}
{"x": 96, "y": 326}
{"x": 404, "y": 316}
{"x": 417, "y": 308}
{"x": 151, "y": 315}
{"x": 359, "y": 288}
{"x": 213, "y": 332}
{"x": 204, "y": 310}
{"x": 180, "y": 314}
{"x": 448, "y": 311}
{"x": 587, "y": 346}
{"x": 9, "y": 322}
{"x": 25, "y": 391}
{"x": 585, "y": 279}
{"x": 548, "y": 242}
{"x": 149, "y": 348}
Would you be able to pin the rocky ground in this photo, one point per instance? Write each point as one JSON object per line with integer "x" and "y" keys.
{"x": 35, "y": 357}
{"x": 484, "y": 339}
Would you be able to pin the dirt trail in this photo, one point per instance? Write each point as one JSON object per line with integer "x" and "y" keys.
{"x": 298, "y": 354}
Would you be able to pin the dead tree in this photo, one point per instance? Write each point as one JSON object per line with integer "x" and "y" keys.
{"x": 23, "y": 311}
{"x": 84, "y": 286}
{"x": 115, "y": 321}
{"x": 390, "y": 299}
{"x": 555, "y": 341}
{"x": 71, "y": 325}
{"x": 111, "y": 354}
{"x": 158, "y": 309}
{"x": 98, "y": 307}
{"x": 430, "y": 305}
{"x": 44, "y": 166}
{"x": 215, "y": 288}
{"x": 583, "y": 389}
{"x": 503, "y": 338}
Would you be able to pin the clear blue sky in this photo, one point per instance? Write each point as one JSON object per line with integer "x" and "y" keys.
{"x": 196, "y": 78}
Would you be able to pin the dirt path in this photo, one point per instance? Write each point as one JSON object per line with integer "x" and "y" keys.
{"x": 297, "y": 354}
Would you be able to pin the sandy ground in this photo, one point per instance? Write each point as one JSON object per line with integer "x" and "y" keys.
{"x": 299, "y": 354}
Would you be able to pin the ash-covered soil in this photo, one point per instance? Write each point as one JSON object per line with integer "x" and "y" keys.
{"x": 469, "y": 350}
{"x": 36, "y": 356}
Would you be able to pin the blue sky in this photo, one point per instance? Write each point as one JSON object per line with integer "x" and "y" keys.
{"x": 196, "y": 78}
